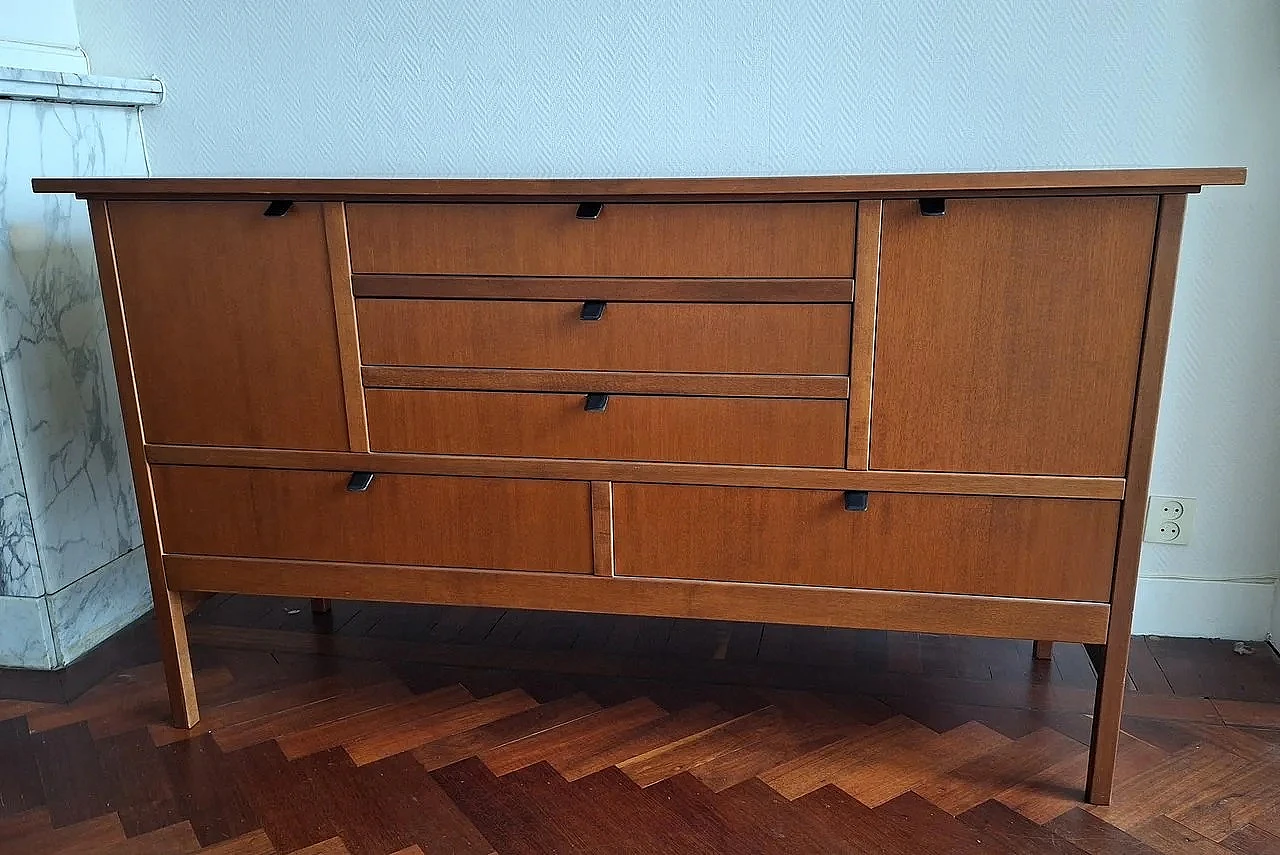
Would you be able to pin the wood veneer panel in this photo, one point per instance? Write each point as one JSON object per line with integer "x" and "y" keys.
{"x": 673, "y": 473}
{"x": 643, "y": 383}
{"x": 786, "y": 239}
{"x": 1111, "y": 683}
{"x": 734, "y": 338}
{"x": 171, "y": 623}
{"x": 765, "y": 431}
{"x": 998, "y": 617}
{"x": 600, "y": 288}
{"x": 1058, "y": 549}
{"x": 344, "y": 307}
{"x": 501, "y": 523}
{"x": 1008, "y": 334}
{"x": 231, "y": 324}
{"x": 819, "y": 186}
{"x": 862, "y": 358}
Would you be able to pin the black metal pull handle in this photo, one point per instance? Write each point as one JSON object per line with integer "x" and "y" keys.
{"x": 596, "y": 402}
{"x": 278, "y": 208}
{"x": 359, "y": 482}
{"x": 933, "y": 207}
{"x": 592, "y": 310}
{"x": 855, "y": 500}
{"x": 589, "y": 210}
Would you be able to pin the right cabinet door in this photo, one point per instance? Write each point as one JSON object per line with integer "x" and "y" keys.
{"x": 1008, "y": 333}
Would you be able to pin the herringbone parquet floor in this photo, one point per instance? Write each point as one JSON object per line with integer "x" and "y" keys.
{"x": 381, "y": 729}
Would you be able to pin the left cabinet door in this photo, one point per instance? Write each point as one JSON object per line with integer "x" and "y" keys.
{"x": 231, "y": 323}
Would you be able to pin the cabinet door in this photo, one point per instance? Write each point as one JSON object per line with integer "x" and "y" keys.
{"x": 1008, "y": 333}
{"x": 231, "y": 324}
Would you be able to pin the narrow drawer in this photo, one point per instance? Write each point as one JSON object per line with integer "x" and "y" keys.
{"x": 729, "y": 338}
{"x": 685, "y": 429}
{"x": 496, "y": 523}
{"x": 1059, "y": 549}
{"x": 780, "y": 239}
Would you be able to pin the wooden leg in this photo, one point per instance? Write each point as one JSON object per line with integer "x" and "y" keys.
{"x": 1107, "y": 707}
{"x": 172, "y": 626}
{"x": 1042, "y": 650}
{"x": 320, "y": 606}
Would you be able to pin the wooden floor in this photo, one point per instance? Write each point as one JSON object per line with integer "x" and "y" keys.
{"x": 382, "y": 729}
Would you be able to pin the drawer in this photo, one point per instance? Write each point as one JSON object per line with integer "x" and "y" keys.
{"x": 783, "y": 239}
{"x": 496, "y": 523}
{"x": 684, "y": 429}
{"x": 1059, "y": 549}
{"x": 729, "y": 338}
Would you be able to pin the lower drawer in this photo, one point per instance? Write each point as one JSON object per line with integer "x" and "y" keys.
{"x": 1060, "y": 549}
{"x": 498, "y": 523}
{"x": 684, "y": 429}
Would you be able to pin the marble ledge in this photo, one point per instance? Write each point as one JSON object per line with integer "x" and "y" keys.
{"x": 26, "y": 638}
{"x": 27, "y": 84}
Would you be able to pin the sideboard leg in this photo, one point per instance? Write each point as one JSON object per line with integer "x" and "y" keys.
{"x": 1042, "y": 650}
{"x": 321, "y": 606}
{"x": 1107, "y": 707}
{"x": 172, "y": 626}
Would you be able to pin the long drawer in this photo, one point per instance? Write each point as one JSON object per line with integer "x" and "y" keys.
{"x": 1059, "y": 549}
{"x": 783, "y": 240}
{"x": 497, "y": 523}
{"x": 730, "y": 338}
{"x": 685, "y": 429}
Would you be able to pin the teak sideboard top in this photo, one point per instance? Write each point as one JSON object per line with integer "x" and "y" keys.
{"x": 1048, "y": 182}
{"x": 910, "y": 402}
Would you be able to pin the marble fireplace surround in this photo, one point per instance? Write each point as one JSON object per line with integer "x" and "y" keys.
{"x": 71, "y": 565}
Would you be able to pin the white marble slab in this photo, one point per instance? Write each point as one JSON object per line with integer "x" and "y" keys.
{"x": 90, "y": 610}
{"x": 19, "y": 568}
{"x": 25, "y": 638}
{"x": 29, "y": 84}
{"x": 54, "y": 353}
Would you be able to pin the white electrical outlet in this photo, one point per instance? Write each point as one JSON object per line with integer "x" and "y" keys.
{"x": 1169, "y": 520}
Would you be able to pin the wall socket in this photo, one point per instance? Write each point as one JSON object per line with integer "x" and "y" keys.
{"x": 1169, "y": 520}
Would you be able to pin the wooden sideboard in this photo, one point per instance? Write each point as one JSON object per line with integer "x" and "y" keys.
{"x": 915, "y": 402}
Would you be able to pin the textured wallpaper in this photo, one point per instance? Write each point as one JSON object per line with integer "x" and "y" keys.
{"x": 517, "y": 88}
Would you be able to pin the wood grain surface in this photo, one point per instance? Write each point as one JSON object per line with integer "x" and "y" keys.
{"x": 1008, "y": 333}
{"x": 758, "y": 431}
{"x": 727, "y": 338}
{"x": 783, "y": 240}
{"x": 1047, "y": 548}
{"x": 409, "y": 519}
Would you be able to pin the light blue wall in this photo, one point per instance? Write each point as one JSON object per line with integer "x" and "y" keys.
{"x": 378, "y": 87}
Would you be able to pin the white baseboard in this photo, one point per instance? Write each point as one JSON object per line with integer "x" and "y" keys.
{"x": 1196, "y": 608}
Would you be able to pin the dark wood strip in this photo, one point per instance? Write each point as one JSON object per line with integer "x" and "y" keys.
{"x": 571, "y": 288}
{"x": 20, "y": 787}
{"x": 620, "y": 382}
{"x": 217, "y": 812}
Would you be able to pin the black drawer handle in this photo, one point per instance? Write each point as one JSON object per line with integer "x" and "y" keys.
{"x": 592, "y": 310}
{"x": 855, "y": 500}
{"x": 596, "y": 402}
{"x": 933, "y": 207}
{"x": 278, "y": 208}
{"x": 589, "y": 210}
{"x": 359, "y": 482}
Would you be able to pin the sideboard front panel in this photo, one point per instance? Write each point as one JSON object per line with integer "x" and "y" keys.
{"x": 1058, "y": 549}
{"x": 681, "y": 429}
{"x": 230, "y": 317}
{"x": 494, "y": 523}
{"x": 751, "y": 240}
{"x": 729, "y": 338}
{"x": 1008, "y": 334}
